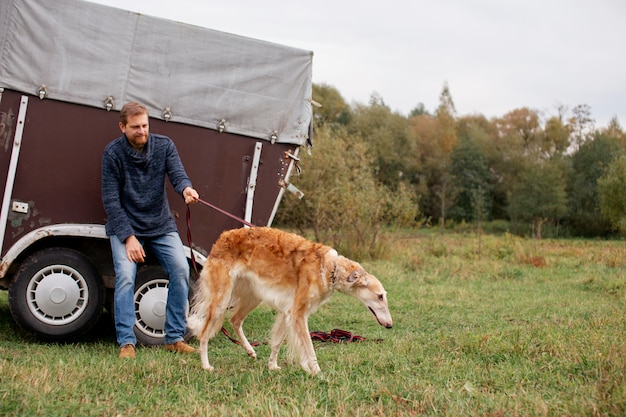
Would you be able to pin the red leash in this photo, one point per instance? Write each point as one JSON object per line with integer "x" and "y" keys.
{"x": 190, "y": 240}
{"x": 336, "y": 336}
{"x": 225, "y": 213}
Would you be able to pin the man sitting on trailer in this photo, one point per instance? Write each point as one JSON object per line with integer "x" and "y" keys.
{"x": 134, "y": 167}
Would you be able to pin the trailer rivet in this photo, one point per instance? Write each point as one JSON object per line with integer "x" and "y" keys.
{"x": 167, "y": 114}
{"x": 221, "y": 126}
{"x": 109, "y": 103}
{"x": 42, "y": 92}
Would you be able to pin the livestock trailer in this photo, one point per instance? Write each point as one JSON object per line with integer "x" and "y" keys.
{"x": 238, "y": 110}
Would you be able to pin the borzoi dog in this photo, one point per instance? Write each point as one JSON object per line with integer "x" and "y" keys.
{"x": 289, "y": 273}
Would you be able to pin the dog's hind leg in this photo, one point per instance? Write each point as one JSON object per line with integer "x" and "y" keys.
{"x": 243, "y": 307}
{"x": 213, "y": 323}
{"x": 277, "y": 336}
{"x": 215, "y": 294}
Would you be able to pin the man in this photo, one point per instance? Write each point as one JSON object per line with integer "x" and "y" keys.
{"x": 134, "y": 167}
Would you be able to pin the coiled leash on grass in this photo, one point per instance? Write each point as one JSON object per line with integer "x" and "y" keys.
{"x": 335, "y": 336}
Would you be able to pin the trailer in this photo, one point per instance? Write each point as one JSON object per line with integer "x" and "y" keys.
{"x": 238, "y": 110}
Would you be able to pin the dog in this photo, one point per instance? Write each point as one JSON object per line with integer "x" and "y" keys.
{"x": 287, "y": 272}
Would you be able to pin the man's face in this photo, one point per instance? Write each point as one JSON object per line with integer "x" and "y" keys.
{"x": 136, "y": 130}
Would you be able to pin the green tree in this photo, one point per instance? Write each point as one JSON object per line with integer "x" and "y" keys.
{"x": 539, "y": 195}
{"x": 385, "y": 133}
{"x": 614, "y": 130}
{"x": 556, "y": 138}
{"x": 612, "y": 193}
{"x": 333, "y": 110}
{"x": 589, "y": 163}
{"x": 446, "y": 137}
{"x": 484, "y": 138}
{"x": 418, "y": 110}
{"x": 344, "y": 204}
{"x": 473, "y": 179}
{"x": 422, "y": 159}
{"x": 581, "y": 124}
{"x": 521, "y": 130}
{"x": 518, "y": 144}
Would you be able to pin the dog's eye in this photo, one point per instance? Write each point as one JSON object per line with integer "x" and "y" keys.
{"x": 381, "y": 297}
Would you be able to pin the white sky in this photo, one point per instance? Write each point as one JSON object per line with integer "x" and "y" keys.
{"x": 495, "y": 55}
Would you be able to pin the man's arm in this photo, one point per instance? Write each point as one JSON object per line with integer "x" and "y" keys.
{"x": 111, "y": 183}
{"x": 178, "y": 177}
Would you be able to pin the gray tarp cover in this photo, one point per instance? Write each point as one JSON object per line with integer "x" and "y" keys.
{"x": 84, "y": 52}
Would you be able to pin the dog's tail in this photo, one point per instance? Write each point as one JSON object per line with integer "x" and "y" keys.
{"x": 195, "y": 322}
{"x": 196, "y": 317}
{"x": 199, "y": 306}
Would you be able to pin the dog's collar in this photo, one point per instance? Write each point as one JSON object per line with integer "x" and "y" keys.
{"x": 333, "y": 276}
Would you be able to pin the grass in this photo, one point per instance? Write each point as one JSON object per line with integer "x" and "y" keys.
{"x": 524, "y": 328}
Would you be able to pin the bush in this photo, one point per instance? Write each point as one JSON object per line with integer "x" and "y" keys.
{"x": 344, "y": 205}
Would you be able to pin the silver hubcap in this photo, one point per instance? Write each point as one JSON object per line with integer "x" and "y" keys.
{"x": 57, "y": 295}
{"x": 150, "y": 302}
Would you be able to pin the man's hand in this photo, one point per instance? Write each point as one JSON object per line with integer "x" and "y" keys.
{"x": 134, "y": 250}
{"x": 190, "y": 195}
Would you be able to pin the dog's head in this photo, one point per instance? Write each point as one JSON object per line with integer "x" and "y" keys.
{"x": 351, "y": 279}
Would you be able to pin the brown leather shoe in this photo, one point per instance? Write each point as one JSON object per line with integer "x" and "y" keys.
{"x": 127, "y": 351}
{"x": 180, "y": 347}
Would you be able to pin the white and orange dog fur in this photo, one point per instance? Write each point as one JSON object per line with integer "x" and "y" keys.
{"x": 287, "y": 272}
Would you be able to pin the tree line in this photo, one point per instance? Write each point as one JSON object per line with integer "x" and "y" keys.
{"x": 532, "y": 173}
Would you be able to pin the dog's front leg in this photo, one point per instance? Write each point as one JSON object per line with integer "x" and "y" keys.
{"x": 277, "y": 336}
{"x": 308, "y": 359}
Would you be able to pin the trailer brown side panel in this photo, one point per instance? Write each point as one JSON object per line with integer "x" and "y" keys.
{"x": 58, "y": 170}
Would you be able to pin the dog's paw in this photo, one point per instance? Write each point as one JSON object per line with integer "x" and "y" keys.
{"x": 208, "y": 368}
{"x": 273, "y": 367}
{"x": 252, "y": 354}
{"x": 313, "y": 369}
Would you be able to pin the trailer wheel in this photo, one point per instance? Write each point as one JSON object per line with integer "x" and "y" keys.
{"x": 150, "y": 302}
{"x": 57, "y": 294}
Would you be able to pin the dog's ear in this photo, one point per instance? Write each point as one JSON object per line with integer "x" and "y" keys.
{"x": 357, "y": 276}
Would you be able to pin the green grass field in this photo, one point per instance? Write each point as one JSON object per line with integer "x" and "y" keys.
{"x": 523, "y": 328}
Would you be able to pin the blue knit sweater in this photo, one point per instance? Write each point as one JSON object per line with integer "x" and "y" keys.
{"x": 133, "y": 186}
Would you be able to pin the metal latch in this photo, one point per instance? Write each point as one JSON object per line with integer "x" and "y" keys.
{"x": 291, "y": 188}
{"x": 19, "y": 207}
{"x": 288, "y": 154}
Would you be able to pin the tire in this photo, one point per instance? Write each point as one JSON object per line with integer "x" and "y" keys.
{"x": 150, "y": 301}
{"x": 57, "y": 295}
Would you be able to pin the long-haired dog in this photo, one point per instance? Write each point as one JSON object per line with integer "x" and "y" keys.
{"x": 289, "y": 273}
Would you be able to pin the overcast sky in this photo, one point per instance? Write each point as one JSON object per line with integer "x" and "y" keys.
{"x": 495, "y": 55}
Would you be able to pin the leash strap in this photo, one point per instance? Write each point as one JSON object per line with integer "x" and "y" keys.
{"x": 336, "y": 336}
{"x": 190, "y": 240}
{"x": 240, "y": 220}
{"x": 235, "y": 341}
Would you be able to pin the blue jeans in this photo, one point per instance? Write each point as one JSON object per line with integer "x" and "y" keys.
{"x": 169, "y": 251}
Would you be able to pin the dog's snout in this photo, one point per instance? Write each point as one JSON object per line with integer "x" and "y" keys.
{"x": 387, "y": 324}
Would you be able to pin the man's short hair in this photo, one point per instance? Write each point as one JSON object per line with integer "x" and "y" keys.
{"x": 131, "y": 109}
